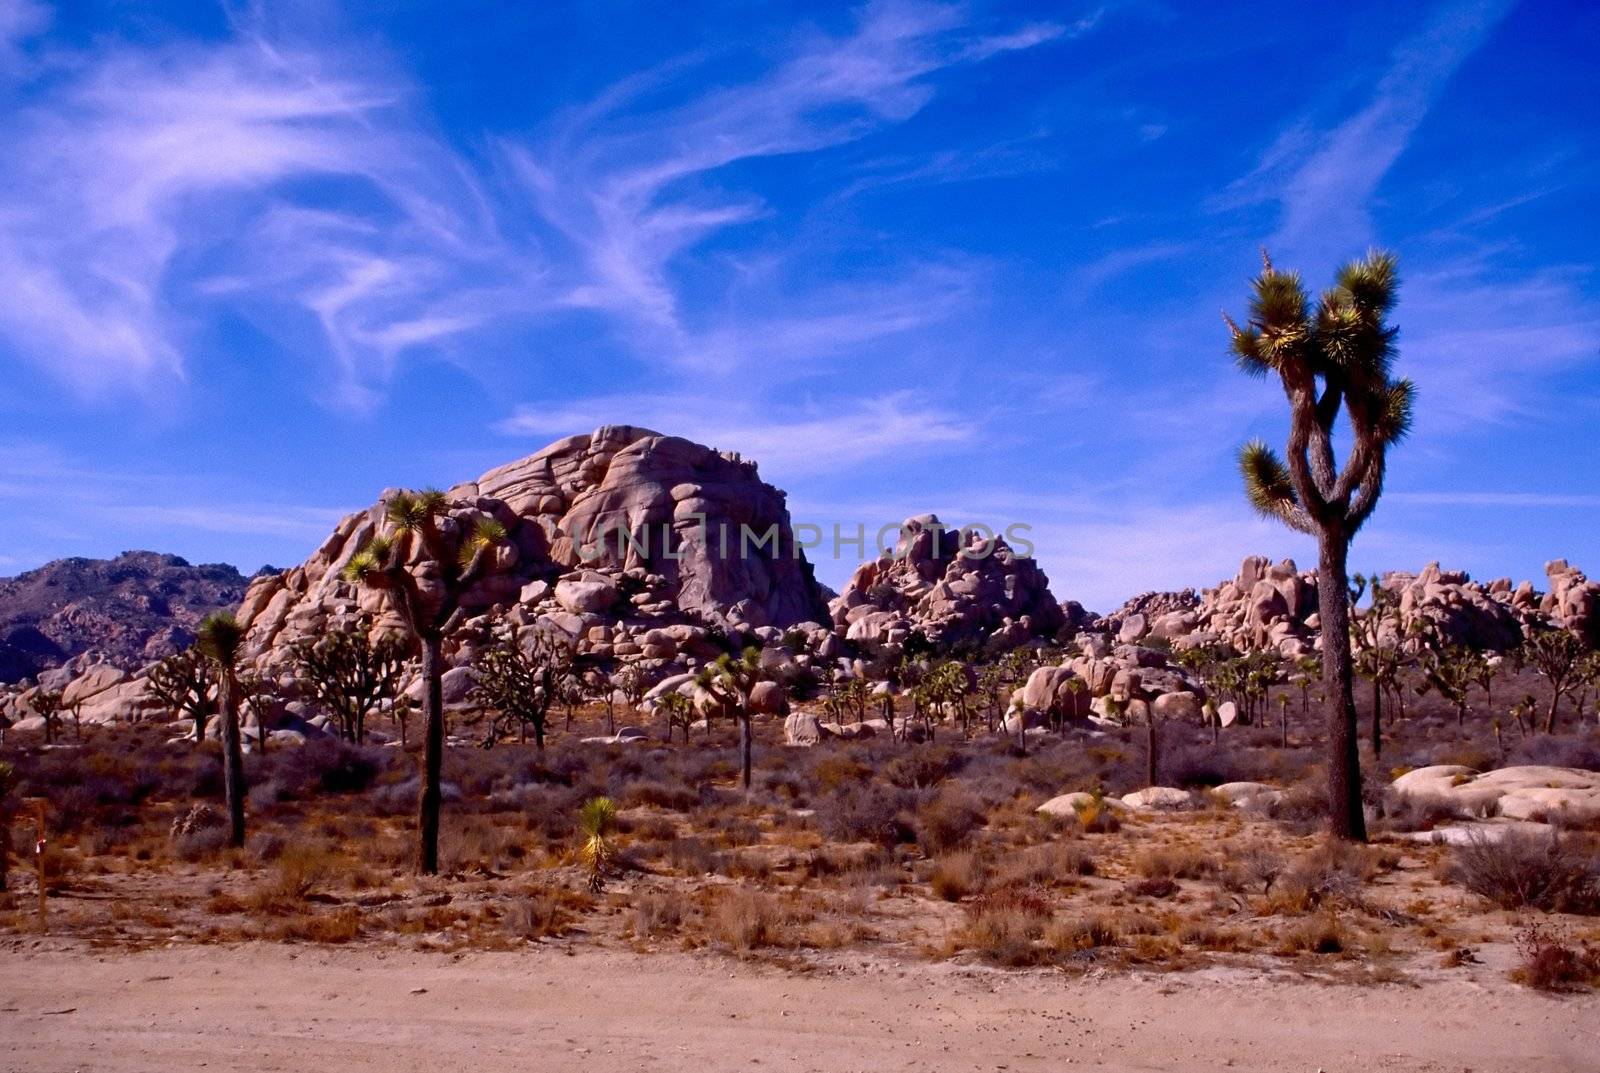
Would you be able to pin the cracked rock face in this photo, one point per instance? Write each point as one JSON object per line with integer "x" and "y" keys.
{"x": 610, "y": 535}
{"x": 949, "y": 590}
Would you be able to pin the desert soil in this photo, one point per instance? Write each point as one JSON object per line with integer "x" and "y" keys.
{"x": 271, "y": 1007}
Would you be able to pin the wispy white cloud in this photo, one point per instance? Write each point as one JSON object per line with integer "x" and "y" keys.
{"x": 785, "y": 439}
{"x": 213, "y": 155}
{"x": 1325, "y": 179}
{"x": 632, "y": 188}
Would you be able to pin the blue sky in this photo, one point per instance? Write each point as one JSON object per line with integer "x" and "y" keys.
{"x": 259, "y": 262}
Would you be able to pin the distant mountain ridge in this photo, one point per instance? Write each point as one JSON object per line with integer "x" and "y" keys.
{"x": 125, "y": 611}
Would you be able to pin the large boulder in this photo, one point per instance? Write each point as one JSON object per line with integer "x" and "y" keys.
{"x": 1529, "y": 792}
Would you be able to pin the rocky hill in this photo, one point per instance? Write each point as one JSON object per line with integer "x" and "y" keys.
{"x": 633, "y": 544}
{"x": 125, "y": 611}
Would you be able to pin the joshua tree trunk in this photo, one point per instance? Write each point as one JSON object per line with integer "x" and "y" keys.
{"x": 232, "y": 758}
{"x": 1344, "y": 761}
{"x": 1150, "y": 750}
{"x": 432, "y": 759}
{"x": 1377, "y": 719}
{"x": 745, "y": 736}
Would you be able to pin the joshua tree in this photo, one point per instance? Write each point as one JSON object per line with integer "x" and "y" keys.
{"x": 1450, "y": 671}
{"x": 633, "y": 682}
{"x": 520, "y": 677}
{"x": 352, "y": 674}
{"x": 1559, "y": 657}
{"x": 595, "y": 820}
{"x": 183, "y": 682}
{"x": 219, "y": 639}
{"x": 731, "y": 682}
{"x": 1376, "y": 656}
{"x": 679, "y": 712}
{"x": 8, "y": 790}
{"x": 47, "y": 705}
{"x": 425, "y": 567}
{"x": 1331, "y": 356}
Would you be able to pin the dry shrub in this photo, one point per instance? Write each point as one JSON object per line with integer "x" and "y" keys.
{"x": 946, "y": 821}
{"x": 693, "y": 857}
{"x": 537, "y": 914}
{"x": 1331, "y": 874}
{"x": 1417, "y": 813}
{"x": 957, "y": 875}
{"x": 298, "y": 871}
{"x": 1252, "y": 867}
{"x": 1319, "y": 934}
{"x": 660, "y": 914}
{"x": 340, "y": 925}
{"x": 835, "y": 770}
{"x": 868, "y": 812}
{"x": 472, "y": 841}
{"x": 1084, "y": 933}
{"x": 1521, "y": 870}
{"x": 1153, "y": 887}
{"x": 1552, "y": 962}
{"x": 1004, "y": 926}
{"x": 1172, "y": 862}
{"x": 1054, "y": 863}
{"x": 746, "y": 920}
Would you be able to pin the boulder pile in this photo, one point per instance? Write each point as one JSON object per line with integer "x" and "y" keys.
{"x": 1573, "y": 601}
{"x": 1273, "y": 607}
{"x": 949, "y": 586}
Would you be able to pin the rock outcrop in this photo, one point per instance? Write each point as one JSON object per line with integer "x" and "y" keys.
{"x": 633, "y": 544}
{"x": 949, "y": 590}
{"x": 1534, "y": 793}
{"x": 1273, "y": 607}
{"x": 124, "y": 612}
{"x": 1573, "y": 601}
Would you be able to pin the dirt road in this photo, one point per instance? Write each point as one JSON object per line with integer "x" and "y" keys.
{"x": 330, "y": 1009}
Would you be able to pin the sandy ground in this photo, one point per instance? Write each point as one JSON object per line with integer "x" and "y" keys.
{"x": 263, "y": 1007}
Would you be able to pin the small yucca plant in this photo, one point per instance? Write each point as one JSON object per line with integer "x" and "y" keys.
{"x": 596, "y": 821}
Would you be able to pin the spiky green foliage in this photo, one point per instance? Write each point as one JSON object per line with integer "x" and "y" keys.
{"x": 1333, "y": 355}
{"x": 596, "y": 820}
{"x": 219, "y": 639}
{"x": 678, "y": 711}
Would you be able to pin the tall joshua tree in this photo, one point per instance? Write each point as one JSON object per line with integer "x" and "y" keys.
{"x": 219, "y": 639}
{"x": 425, "y": 565}
{"x": 731, "y": 681}
{"x": 1331, "y": 356}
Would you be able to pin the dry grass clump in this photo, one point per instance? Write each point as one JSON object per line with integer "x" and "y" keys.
{"x": 957, "y": 875}
{"x": 1332, "y": 874}
{"x": 945, "y": 821}
{"x": 295, "y": 874}
{"x": 1318, "y": 934}
{"x": 1052, "y": 864}
{"x": 1550, "y": 961}
{"x": 660, "y": 913}
{"x": 746, "y": 920}
{"x": 1521, "y": 870}
{"x": 1173, "y": 862}
{"x": 537, "y": 914}
{"x": 338, "y": 925}
{"x": 1005, "y": 926}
